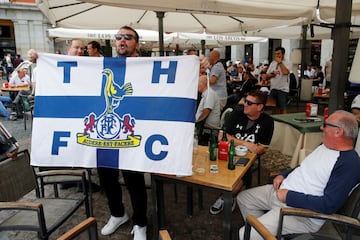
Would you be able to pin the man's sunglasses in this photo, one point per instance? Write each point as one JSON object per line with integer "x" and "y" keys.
{"x": 249, "y": 103}
{"x": 330, "y": 125}
{"x": 121, "y": 36}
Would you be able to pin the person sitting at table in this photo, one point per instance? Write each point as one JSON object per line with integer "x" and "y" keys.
{"x": 318, "y": 76}
{"x": 20, "y": 80}
{"x": 32, "y": 56}
{"x": 248, "y": 84}
{"x": 6, "y": 101}
{"x": 250, "y": 127}
{"x": 322, "y": 182}
{"x": 208, "y": 111}
{"x": 309, "y": 72}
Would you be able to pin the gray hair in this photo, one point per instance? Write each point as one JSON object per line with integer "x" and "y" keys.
{"x": 348, "y": 123}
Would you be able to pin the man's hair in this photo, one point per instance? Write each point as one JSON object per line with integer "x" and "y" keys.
{"x": 259, "y": 95}
{"x": 71, "y": 41}
{"x": 133, "y": 30}
{"x": 348, "y": 123}
{"x": 280, "y": 49}
{"x": 95, "y": 44}
{"x": 215, "y": 53}
{"x": 32, "y": 52}
{"x": 192, "y": 50}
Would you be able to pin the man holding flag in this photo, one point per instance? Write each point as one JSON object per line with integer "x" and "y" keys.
{"x": 127, "y": 44}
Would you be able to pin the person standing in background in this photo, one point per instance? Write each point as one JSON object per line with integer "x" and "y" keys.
{"x": 94, "y": 49}
{"x": 8, "y": 64}
{"x": 278, "y": 73}
{"x": 217, "y": 77}
{"x": 327, "y": 70}
{"x": 17, "y": 60}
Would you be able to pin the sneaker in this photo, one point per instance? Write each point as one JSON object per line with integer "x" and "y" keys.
{"x": 139, "y": 232}
{"x": 113, "y": 224}
{"x": 218, "y": 206}
{"x": 12, "y": 117}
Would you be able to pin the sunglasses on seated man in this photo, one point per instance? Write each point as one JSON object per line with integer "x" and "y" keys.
{"x": 325, "y": 124}
{"x": 125, "y": 36}
{"x": 249, "y": 103}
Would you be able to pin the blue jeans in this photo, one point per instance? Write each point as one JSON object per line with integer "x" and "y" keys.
{"x": 281, "y": 98}
{"x": 3, "y": 111}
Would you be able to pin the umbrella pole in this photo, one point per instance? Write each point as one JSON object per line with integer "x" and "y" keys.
{"x": 160, "y": 16}
{"x": 340, "y": 54}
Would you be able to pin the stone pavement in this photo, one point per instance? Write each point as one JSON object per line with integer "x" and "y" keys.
{"x": 201, "y": 225}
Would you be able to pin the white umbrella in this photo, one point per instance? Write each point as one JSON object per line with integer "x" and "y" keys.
{"x": 250, "y": 18}
{"x": 183, "y": 40}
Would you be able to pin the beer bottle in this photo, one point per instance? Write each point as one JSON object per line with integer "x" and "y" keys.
{"x": 213, "y": 147}
{"x": 223, "y": 147}
{"x": 231, "y": 156}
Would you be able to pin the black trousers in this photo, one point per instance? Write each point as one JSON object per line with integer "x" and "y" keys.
{"x": 135, "y": 184}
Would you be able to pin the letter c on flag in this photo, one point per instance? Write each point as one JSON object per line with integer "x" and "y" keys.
{"x": 149, "y": 144}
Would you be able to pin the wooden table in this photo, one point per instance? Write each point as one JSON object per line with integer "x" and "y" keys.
{"x": 325, "y": 96}
{"x": 296, "y": 139}
{"x": 260, "y": 84}
{"x": 14, "y": 89}
{"x": 224, "y": 182}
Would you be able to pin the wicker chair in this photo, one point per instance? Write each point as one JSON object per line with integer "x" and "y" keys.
{"x": 39, "y": 214}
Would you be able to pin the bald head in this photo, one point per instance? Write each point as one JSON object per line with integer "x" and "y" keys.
{"x": 340, "y": 131}
{"x": 214, "y": 56}
{"x": 348, "y": 122}
{"x": 32, "y": 55}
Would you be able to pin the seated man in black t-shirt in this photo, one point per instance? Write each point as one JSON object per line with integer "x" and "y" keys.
{"x": 250, "y": 127}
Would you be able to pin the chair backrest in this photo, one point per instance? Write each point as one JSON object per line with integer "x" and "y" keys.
{"x": 224, "y": 116}
{"x": 25, "y": 102}
{"x": 351, "y": 208}
{"x": 88, "y": 225}
{"x": 17, "y": 177}
{"x": 293, "y": 82}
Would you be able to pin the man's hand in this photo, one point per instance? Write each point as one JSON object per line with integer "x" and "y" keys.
{"x": 281, "y": 195}
{"x": 277, "y": 181}
{"x": 13, "y": 154}
{"x": 278, "y": 58}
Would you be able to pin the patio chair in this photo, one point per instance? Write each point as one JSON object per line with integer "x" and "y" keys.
{"x": 344, "y": 224}
{"x": 252, "y": 222}
{"x": 88, "y": 225}
{"x": 27, "y": 109}
{"x": 40, "y": 214}
{"x": 294, "y": 91}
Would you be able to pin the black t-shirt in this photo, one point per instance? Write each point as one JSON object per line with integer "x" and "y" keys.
{"x": 258, "y": 131}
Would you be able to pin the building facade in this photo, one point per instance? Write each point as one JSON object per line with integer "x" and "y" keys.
{"x": 23, "y": 26}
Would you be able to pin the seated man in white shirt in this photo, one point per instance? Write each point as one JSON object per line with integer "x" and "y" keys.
{"x": 20, "y": 80}
{"x": 208, "y": 111}
{"x": 322, "y": 182}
